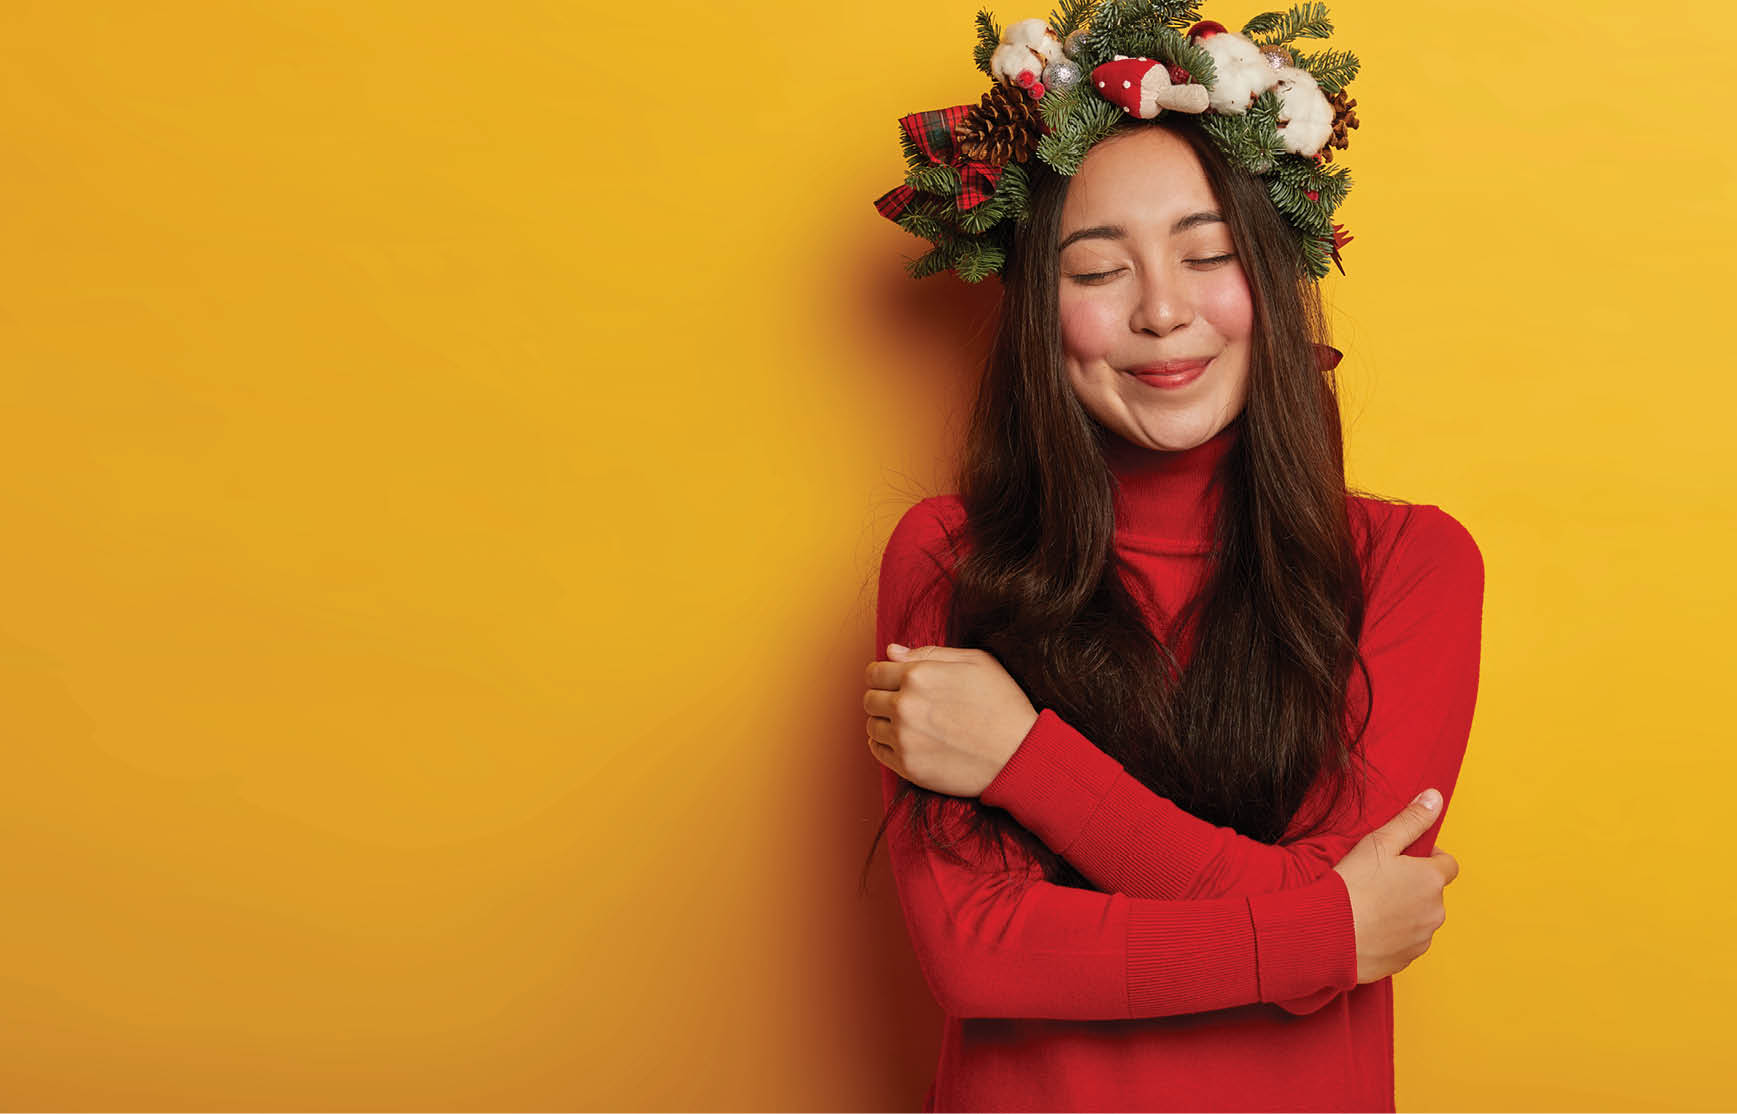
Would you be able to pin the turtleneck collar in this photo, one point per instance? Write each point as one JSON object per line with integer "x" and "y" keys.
{"x": 1167, "y": 500}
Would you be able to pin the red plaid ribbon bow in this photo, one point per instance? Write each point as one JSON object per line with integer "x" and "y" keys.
{"x": 932, "y": 132}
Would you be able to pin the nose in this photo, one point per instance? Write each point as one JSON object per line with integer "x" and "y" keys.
{"x": 1164, "y": 304}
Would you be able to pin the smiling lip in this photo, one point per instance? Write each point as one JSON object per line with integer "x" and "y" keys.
{"x": 1171, "y": 373}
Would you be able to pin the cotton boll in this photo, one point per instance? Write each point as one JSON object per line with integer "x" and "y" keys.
{"x": 1305, "y": 114}
{"x": 1243, "y": 72}
{"x": 1010, "y": 60}
{"x": 1038, "y": 35}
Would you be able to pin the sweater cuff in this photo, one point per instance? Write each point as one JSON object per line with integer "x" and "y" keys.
{"x": 1305, "y": 939}
{"x": 1189, "y": 958}
{"x": 1054, "y": 781}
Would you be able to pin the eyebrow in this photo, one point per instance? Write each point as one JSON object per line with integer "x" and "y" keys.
{"x": 1118, "y": 232}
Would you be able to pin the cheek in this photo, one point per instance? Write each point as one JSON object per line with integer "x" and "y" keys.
{"x": 1230, "y": 307}
{"x": 1088, "y": 327}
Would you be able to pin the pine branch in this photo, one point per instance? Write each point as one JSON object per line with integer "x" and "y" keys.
{"x": 914, "y": 156}
{"x": 1014, "y": 189}
{"x": 1306, "y": 215}
{"x": 937, "y": 178}
{"x": 1317, "y": 257}
{"x": 1331, "y": 69}
{"x": 1068, "y": 18}
{"x": 1057, "y": 108}
{"x": 1262, "y": 23}
{"x": 934, "y": 261}
{"x": 978, "y": 259}
{"x": 1190, "y": 55}
{"x": 1089, "y": 120}
{"x": 1108, "y": 24}
{"x": 1252, "y": 137}
{"x": 1176, "y": 14}
{"x": 924, "y": 226}
{"x": 1305, "y": 21}
{"x": 988, "y": 38}
{"x": 984, "y": 215}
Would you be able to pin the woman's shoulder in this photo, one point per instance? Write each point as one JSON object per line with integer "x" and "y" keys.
{"x": 1417, "y": 528}
{"x": 933, "y": 525}
{"x": 926, "y": 539}
{"x": 1414, "y": 550}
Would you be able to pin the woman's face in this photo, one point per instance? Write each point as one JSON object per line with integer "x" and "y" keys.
{"x": 1148, "y": 276}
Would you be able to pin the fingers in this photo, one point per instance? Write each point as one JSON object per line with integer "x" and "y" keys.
{"x": 1447, "y": 864}
{"x": 1413, "y": 820}
{"x": 888, "y": 674}
{"x": 879, "y": 731}
{"x": 882, "y": 674}
{"x": 880, "y": 702}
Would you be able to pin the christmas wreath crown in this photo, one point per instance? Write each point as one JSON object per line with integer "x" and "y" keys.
{"x": 1061, "y": 86}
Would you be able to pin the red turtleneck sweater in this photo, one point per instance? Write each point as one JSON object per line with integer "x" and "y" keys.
{"x": 1207, "y": 970}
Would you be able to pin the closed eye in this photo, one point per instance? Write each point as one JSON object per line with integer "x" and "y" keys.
{"x": 1096, "y": 277}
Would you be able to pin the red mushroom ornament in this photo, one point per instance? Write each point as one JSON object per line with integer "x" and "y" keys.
{"x": 1141, "y": 87}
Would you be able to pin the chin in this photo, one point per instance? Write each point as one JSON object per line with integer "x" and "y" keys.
{"x": 1173, "y": 427}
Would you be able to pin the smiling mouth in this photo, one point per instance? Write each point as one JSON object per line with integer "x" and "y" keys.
{"x": 1173, "y": 367}
{"x": 1171, "y": 373}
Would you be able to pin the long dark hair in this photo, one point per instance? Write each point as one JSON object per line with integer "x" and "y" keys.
{"x": 1264, "y": 705}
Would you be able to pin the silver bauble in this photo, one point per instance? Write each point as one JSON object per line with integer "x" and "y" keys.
{"x": 1063, "y": 73}
{"x": 1075, "y": 44}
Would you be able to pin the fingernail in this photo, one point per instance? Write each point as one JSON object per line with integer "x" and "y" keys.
{"x": 1429, "y": 799}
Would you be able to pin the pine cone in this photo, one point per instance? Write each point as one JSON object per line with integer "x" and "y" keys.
{"x": 1344, "y": 117}
{"x": 1004, "y": 127}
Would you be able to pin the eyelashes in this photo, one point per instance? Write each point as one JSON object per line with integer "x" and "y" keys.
{"x": 1094, "y": 278}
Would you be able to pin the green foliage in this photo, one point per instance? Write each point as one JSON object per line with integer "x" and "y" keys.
{"x": 1067, "y": 19}
{"x": 1086, "y": 119}
{"x": 1309, "y": 216}
{"x": 984, "y": 215}
{"x": 914, "y": 156}
{"x": 1180, "y": 14}
{"x": 1304, "y": 21}
{"x": 1014, "y": 190}
{"x": 1251, "y": 137}
{"x": 978, "y": 259}
{"x": 933, "y": 178}
{"x": 1332, "y": 182}
{"x": 1110, "y": 23}
{"x": 923, "y": 224}
{"x": 1317, "y": 256}
{"x": 988, "y": 38}
{"x": 1057, "y": 106}
{"x": 1262, "y": 23}
{"x": 934, "y": 261}
{"x": 1331, "y": 69}
{"x": 1190, "y": 56}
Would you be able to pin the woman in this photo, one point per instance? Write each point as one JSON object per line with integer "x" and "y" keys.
{"x": 1173, "y": 696}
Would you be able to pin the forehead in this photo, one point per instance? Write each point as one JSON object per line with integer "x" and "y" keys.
{"x": 1143, "y": 179}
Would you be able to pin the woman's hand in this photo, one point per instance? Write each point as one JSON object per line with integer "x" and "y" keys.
{"x": 943, "y": 718}
{"x": 1396, "y": 899}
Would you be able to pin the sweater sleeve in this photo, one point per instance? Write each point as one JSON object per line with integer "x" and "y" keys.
{"x": 1422, "y": 652}
{"x": 1000, "y": 941}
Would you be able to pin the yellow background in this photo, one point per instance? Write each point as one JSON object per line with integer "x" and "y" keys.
{"x": 447, "y": 450}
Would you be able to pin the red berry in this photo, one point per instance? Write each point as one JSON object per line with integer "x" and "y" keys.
{"x": 1312, "y": 195}
{"x": 1037, "y": 90}
{"x": 1178, "y": 75}
{"x": 1025, "y": 78}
